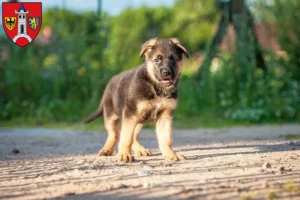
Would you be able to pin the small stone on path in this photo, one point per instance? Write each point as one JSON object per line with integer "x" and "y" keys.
{"x": 266, "y": 165}
{"x": 15, "y": 150}
{"x": 144, "y": 173}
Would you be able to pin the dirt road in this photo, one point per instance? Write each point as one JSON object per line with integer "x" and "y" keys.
{"x": 230, "y": 163}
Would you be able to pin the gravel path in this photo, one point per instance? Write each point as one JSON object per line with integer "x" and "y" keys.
{"x": 232, "y": 163}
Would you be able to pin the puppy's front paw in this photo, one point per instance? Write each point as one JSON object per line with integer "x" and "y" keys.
{"x": 141, "y": 151}
{"x": 105, "y": 152}
{"x": 174, "y": 157}
{"x": 125, "y": 157}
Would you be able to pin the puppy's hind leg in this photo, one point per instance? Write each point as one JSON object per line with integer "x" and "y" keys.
{"x": 111, "y": 125}
{"x": 138, "y": 149}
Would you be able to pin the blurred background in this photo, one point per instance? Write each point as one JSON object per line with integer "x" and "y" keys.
{"x": 244, "y": 65}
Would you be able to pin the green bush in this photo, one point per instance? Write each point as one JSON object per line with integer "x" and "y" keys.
{"x": 259, "y": 97}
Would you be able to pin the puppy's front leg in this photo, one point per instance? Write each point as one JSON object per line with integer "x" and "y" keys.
{"x": 138, "y": 149}
{"x": 126, "y": 139}
{"x": 164, "y": 136}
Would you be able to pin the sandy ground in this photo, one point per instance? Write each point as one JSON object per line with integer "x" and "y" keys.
{"x": 221, "y": 164}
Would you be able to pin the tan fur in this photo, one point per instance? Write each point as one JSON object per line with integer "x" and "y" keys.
{"x": 147, "y": 46}
{"x": 138, "y": 149}
{"x": 164, "y": 136}
{"x": 147, "y": 52}
{"x": 126, "y": 139}
{"x": 113, "y": 135}
{"x": 155, "y": 106}
{"x": 150, "y": 70}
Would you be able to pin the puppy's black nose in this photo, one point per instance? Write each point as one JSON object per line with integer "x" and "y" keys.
{"x": 165, "y": 72}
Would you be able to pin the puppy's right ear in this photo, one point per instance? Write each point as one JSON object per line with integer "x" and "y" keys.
{"x": 148, "y": 46}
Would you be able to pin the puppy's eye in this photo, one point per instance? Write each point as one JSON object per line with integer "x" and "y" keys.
{"x": 157, "y": 60}
{"x": 172, "y": 59}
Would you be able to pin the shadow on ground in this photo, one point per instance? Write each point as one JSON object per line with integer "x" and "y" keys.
{"x": 223, "y": 165}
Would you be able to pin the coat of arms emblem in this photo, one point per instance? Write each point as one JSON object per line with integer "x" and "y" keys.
{"x": 22, "y": 21}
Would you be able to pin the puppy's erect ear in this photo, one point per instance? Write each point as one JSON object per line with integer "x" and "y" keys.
{"x": 177, "y": 42}
{"x": 148, "y": 46}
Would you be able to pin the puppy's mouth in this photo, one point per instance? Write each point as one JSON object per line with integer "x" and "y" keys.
{"x": 166, "y": 81}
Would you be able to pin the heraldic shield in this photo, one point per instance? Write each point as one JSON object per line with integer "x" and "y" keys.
{"x": 22, "y": 21}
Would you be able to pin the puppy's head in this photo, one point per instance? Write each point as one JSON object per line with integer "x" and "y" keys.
{"x": 164, "y": 59}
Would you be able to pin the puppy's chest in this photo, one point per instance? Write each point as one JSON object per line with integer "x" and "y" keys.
{"x": 148, "y": 111}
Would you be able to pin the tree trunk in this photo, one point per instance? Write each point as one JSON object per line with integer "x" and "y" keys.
{"x": 242, "y": 37}
{"x": 215, "y": 43}
{"x": 99, "y": 7}
{"x": 236, "y": 12}
{"x": 242, "y": 22}
{"x": 260, "y": 62}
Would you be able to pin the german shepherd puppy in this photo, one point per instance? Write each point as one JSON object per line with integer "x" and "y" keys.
{"x": 146, "y": 94}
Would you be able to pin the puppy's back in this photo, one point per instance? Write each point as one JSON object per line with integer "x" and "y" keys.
{"x": 116, "y": 92}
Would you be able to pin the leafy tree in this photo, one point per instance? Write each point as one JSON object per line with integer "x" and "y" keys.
{"x": 129, "y": 30}
{"x": 192, "y": 21}
{"x": 237, "y": 13}
{"x": 285, "y": 15}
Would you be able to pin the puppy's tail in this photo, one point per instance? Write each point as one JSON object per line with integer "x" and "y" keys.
{"x": 96, "y": 114}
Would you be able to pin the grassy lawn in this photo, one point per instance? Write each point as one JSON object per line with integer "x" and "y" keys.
{"x": 98, "y": 124}
{"x": 292, "y": 136}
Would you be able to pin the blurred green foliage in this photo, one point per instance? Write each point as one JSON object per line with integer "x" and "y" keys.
{"x": 283, "y": 14}
{"x": 64, "y": 80}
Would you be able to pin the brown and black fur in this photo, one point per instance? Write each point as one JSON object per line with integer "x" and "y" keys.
{"x": 146, "y": 94}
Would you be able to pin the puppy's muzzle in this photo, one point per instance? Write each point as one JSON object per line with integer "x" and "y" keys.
{"x": 165, "y": 72}
{"x": 166, "y": 76}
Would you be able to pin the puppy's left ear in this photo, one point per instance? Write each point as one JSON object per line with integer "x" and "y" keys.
{"x": 148, "y": 46}
{"x": 177, "y": 42}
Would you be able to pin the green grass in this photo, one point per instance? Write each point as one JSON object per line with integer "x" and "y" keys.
{"x": 291, "y": 136}
{"x": 25, "y": 123}
{"x": 200, "y": 122}
{"x": 98, "y": 124}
